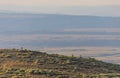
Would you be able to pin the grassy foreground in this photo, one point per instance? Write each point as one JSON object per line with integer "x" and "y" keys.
{"x": 15, "y": 63}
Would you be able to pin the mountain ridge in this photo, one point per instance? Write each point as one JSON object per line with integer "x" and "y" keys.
{"x": 23, "y": 22}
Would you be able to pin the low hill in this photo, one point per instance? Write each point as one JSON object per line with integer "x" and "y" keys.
{"x": 15, "y": 63}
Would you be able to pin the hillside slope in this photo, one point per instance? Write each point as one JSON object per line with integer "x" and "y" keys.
{"x": 16, "y": 63}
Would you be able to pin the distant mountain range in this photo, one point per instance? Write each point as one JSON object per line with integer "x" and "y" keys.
{"x": 36, "y": 22}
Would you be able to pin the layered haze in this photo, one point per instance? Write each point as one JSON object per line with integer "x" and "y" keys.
{"x": 89, "y": 36}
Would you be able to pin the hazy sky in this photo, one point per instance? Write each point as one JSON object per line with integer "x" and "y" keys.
{"x": 80, "y": 7}
{"x": 59, "y": 2}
